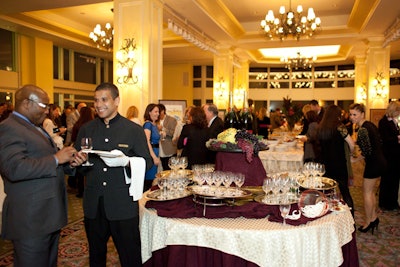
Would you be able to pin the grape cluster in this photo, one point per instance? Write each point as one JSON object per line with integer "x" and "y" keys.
{"x": 219, "y": 145}
{"x": 252, "y": 139}
{"x": 247, "y": 148}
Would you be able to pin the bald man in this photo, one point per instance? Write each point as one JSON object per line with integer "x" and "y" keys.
{"x": 35, "y": 208}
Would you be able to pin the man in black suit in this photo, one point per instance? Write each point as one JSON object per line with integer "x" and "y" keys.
{"x": 317, "y": 108}
{"x": 215, "y": 123}
{"x": 35, "y": 208}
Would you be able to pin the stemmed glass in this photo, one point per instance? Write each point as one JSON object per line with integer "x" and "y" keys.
{"x": 86, "y": 145}
{"x": 173, "y": 163}
{"x": 284, "y": 209}
{"x": 183, "y": 162}
{"x": 162, "y": 184}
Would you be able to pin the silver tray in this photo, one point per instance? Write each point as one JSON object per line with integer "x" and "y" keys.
{"x": 180, "y": 173}
{"x": 327, "y": 183}
{"x": 155, "y": 195}
{"x": 212, "y": 192}
{"x": 275, "y": 200}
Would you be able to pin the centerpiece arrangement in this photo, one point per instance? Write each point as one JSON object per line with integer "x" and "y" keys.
{"x": 237, "y": 141}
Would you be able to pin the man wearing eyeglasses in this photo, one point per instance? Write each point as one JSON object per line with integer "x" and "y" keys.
{"x": 35, "y": 208}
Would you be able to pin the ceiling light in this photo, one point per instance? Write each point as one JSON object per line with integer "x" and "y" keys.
{"x": 292, "y": 23}
{"x": 103, "y": 38}
{"x": 299, "y": 61}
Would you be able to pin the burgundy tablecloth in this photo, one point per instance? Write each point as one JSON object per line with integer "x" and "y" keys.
{"x": 186, "y": 208}
{"x": 236, "y": 162}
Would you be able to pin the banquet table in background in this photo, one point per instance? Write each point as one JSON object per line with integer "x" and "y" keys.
{"x": 278, "y": 161}
{"x": 240, "y": 241}
{"x": 254, "y": 171}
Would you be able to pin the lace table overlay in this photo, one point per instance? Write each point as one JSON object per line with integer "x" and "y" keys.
{"x": 274, "y": 161}
{"x": 318, "y": 243}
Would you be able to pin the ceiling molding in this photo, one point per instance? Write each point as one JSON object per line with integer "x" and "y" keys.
{"x": 361, "y": 13}
{"x": 222, "y": 16}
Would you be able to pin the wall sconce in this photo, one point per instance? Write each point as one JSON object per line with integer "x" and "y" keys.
{"x": 239, "y": 97}
{"x": 220, "y": 88}
{"x": 380, "y": 85}
{"x": 362, "y": 93}
{"x": 126, "y": 61}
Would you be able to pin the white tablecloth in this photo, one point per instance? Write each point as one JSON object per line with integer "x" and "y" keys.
{"x": 259, "y": 241}
{"x": 278, "y": 161}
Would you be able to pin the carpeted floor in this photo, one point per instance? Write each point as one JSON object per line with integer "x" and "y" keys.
{"x": 381, "y": 249}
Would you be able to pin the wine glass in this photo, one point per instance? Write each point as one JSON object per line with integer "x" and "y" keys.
{"x": 86, "y": 145}
{"x": 284, "y": 209}
{"x": 183, "y": 162}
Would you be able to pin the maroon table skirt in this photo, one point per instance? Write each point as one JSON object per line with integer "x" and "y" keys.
{"x": 184, "y": 256}
{"x": 236, "y": 162}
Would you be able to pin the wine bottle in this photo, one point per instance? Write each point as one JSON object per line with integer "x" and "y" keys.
{"x": 231, "y": 119}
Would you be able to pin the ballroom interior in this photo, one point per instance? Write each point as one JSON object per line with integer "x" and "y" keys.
{"x": 202, "y": 51}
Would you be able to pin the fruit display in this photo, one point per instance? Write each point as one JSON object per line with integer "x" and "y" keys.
{"x": 237, "y": 141}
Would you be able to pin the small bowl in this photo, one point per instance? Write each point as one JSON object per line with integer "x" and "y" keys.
{"x": 313, "y": 204}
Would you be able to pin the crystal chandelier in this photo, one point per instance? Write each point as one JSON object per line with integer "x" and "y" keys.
{"x": 103, "y": 38}
{"x": 298, "y": 61}
{"x": 290, "y": 23}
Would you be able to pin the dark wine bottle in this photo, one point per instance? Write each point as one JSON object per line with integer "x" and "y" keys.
{"x": 231, "y": 118}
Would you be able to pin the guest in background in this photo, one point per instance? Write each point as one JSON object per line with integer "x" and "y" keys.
{"x": 33, "y": 169}
{"x": 335, "y": 144}
{"x": 306, "y": 108}
{"x": 317, "y": 108}
{"x": 167, "y": 147}
{"x": 51, "y": 127}
{"x": 133, "y": 114}
{"x": 214, "y": 122}
{"x": 193, "y": 138}
{"x": 63, "y": 118}
{"x": 263, "y": 123}
{"x": 110, "y": 207}
{"x": 86, "y": 115}
{"x": 311, "y": 146}
{"x": 276, "y": 119}
{"x": 179, "y": 126}
{"x": 370, "y": 143}
{"x": 151, "y": 116}
{"x": 390, "y": 134}
{"x": 71, "y": 119}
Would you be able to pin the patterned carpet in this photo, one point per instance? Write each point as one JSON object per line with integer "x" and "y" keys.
{"x": 381, "y": 249}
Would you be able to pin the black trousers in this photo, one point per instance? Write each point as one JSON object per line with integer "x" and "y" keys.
{"x": 39, "y": 251}
{"x": 125, "y": 235}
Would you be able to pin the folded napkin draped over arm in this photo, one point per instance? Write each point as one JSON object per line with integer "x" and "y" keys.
{"x": 136, "y": 177}
{"x": 186, "y": 208}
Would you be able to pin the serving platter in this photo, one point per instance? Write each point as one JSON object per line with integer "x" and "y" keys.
{"x": 263, "y": 199}
{"x": 179, "y": 173}
{"x": 156, "y": 195}
{"x": 214, "y": 192}
{"x": 323, "y": 183}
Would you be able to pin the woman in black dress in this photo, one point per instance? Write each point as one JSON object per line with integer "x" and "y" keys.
{"x": 193, "y": 138}
{"x": 370, "y": 143}
{"x": 390, "y": 134}
{"x": 335, "y": 145}
{"x": 263, "y": 123}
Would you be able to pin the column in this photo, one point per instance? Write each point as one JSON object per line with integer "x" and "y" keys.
{"x": 360, "y": 80}
{"x": 223, "y": 76}
{"x": 378, "y": 66}
{"x": 240, "y": 82}
{"x": 142, "y": 22}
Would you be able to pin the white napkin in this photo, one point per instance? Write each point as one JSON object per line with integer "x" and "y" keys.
{"x": 138, "y": 169}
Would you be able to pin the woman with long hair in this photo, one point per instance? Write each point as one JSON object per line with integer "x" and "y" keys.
{"x": 51, "y": 126}
{"x": 151, "y": 116}
{"x": 370, "y": 143}
{"x": 193, "y": 138}
{"x": 335, "y": 146}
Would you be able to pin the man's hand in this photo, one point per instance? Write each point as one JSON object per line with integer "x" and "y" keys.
{"x": 120, "y": 161}
{"x": 66, "y": 154}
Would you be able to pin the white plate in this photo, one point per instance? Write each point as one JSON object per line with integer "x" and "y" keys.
{"x": 101, "y": 153}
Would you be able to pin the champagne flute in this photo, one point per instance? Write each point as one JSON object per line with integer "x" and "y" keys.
{"x": 86, "y": 145}
{"x": 284, "y": 209}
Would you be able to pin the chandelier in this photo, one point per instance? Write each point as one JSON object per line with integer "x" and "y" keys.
{"x": 290, "y": 23}
{"x": 298, "y": 61}
{"x": 103, "y": 38}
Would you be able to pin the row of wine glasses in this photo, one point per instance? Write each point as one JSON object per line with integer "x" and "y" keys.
{"x": 176, "y": 163}
{"x": 171, "y": 188}
{"x": 219, "y": 178}
{"x": 281, "y": 189}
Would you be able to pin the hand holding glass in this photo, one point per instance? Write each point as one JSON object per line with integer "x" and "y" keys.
{"x": 86, "y": 144}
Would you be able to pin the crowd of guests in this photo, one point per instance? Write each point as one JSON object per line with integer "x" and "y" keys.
{"x": 144, "y": 144}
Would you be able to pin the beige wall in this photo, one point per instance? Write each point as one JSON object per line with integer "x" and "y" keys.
{"x": 178, "y": 82}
